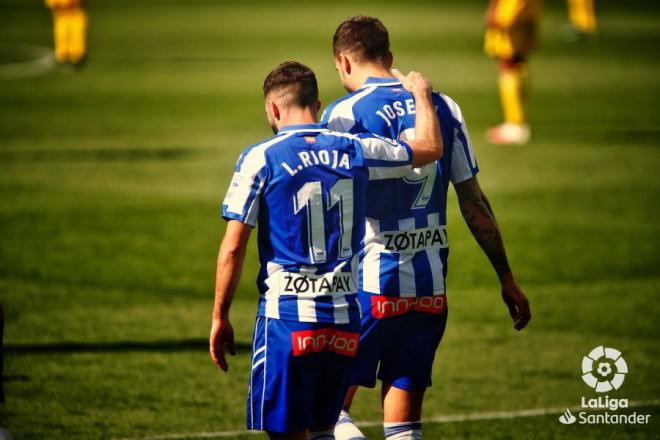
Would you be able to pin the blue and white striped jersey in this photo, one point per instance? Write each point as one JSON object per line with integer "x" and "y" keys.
{"x": 406, "y": 244}
{"x": 306, "y": 189}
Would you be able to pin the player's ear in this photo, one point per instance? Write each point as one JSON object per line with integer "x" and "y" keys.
{"x": 345, "y": 63}
{"x": 317, "y": 107}
{"x": 390, "y": 59}
{"x": 275, "y": 110}
{"x": 272, "y": 110}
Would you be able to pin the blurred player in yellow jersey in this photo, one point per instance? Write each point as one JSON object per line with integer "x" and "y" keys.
{"x": 510, "y": 37}
{"x": 582, "y": 17}
{"x": 70, "y": 30}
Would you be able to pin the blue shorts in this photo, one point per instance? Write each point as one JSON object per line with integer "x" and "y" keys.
{"x": 300, "y": 374}
{"x": 402, "y": 335}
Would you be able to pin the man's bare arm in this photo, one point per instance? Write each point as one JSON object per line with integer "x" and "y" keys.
{"x": 228, "y": 273}
{"x": 427, "y": 145}
{"x": 480, "y": 218}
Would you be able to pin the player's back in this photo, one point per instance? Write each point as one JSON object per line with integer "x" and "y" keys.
{"x": 308, "y": 209}
{"x": 406, "y": 244}
{"x": 307, "y": 188}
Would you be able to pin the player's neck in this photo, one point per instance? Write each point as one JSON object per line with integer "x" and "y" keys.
{"x": 371, "y": 71}
{"x": 297, "y": 116}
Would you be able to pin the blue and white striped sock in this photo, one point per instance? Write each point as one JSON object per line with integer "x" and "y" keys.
{"x": 403, "y": 430}
{"x": 345, "y": 428}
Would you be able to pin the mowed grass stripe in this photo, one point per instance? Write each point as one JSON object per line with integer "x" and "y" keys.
{"x": 481, "y": 416}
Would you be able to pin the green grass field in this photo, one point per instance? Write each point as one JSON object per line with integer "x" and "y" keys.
{"x": 111, "y": 179}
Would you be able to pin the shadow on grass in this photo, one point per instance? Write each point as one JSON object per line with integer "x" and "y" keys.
{"x": 116, "y": 347}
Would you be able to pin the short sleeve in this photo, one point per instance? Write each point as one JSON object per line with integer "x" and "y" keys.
{"x": 385, "y": 158}
{"x": 243, "y": 196}
{"x": 463, "y": 162}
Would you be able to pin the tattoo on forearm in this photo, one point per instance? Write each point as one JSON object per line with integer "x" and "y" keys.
{"x": 480, "y": 218}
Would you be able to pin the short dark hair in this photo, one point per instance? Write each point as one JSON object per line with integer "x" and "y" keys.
{"x": 296, "y": 80}
{"x": 366, "y": 38}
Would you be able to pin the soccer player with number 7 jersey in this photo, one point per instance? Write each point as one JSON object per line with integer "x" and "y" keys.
{"x": 403, "y": 269}
{"x": 306, "y": 190}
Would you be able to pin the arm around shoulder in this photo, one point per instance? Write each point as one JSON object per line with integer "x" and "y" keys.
{"x": 427, "y": 145}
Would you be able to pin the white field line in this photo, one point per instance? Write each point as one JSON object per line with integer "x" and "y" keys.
{"x": 489, "y": 415}
{"x": 42, "y": 60}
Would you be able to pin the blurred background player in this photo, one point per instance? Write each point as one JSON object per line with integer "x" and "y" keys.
{"x": 403, "y": 269}
{"x": 582, "y": 18}
{"x": 511, "y": 31}
{"x": 69, "y": 30}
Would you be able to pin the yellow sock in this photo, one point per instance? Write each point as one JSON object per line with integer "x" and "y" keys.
{"x": 513, "y": 91}
{"x": 582, "y": 16}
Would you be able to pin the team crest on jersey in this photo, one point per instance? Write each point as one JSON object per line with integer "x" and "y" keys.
{"x": 310, "y": 139}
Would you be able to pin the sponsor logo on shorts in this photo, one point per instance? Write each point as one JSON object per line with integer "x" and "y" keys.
{"x": 387, "y": 306}
{"x": 314, "y": 341}
{"x": 415, "y": 240}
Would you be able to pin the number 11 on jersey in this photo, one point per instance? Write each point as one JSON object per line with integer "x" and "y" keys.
{"x": 310, "y": 196}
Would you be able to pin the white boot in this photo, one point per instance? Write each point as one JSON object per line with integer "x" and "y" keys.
{"x": 508, "y": 133}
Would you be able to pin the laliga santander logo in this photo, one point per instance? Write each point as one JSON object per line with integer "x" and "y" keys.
{"x": 604, "y": 369}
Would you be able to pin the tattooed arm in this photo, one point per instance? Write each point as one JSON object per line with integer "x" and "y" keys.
{"x": 480, "y": 219}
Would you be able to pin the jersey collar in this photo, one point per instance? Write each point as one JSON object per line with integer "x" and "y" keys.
{"x": 307, "y": 128}
{"x": 380, "y": 82}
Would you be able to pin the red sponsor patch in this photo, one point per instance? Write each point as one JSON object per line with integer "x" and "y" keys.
{"x": 313, "y": 341}
{"x": 387, "y": 306}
